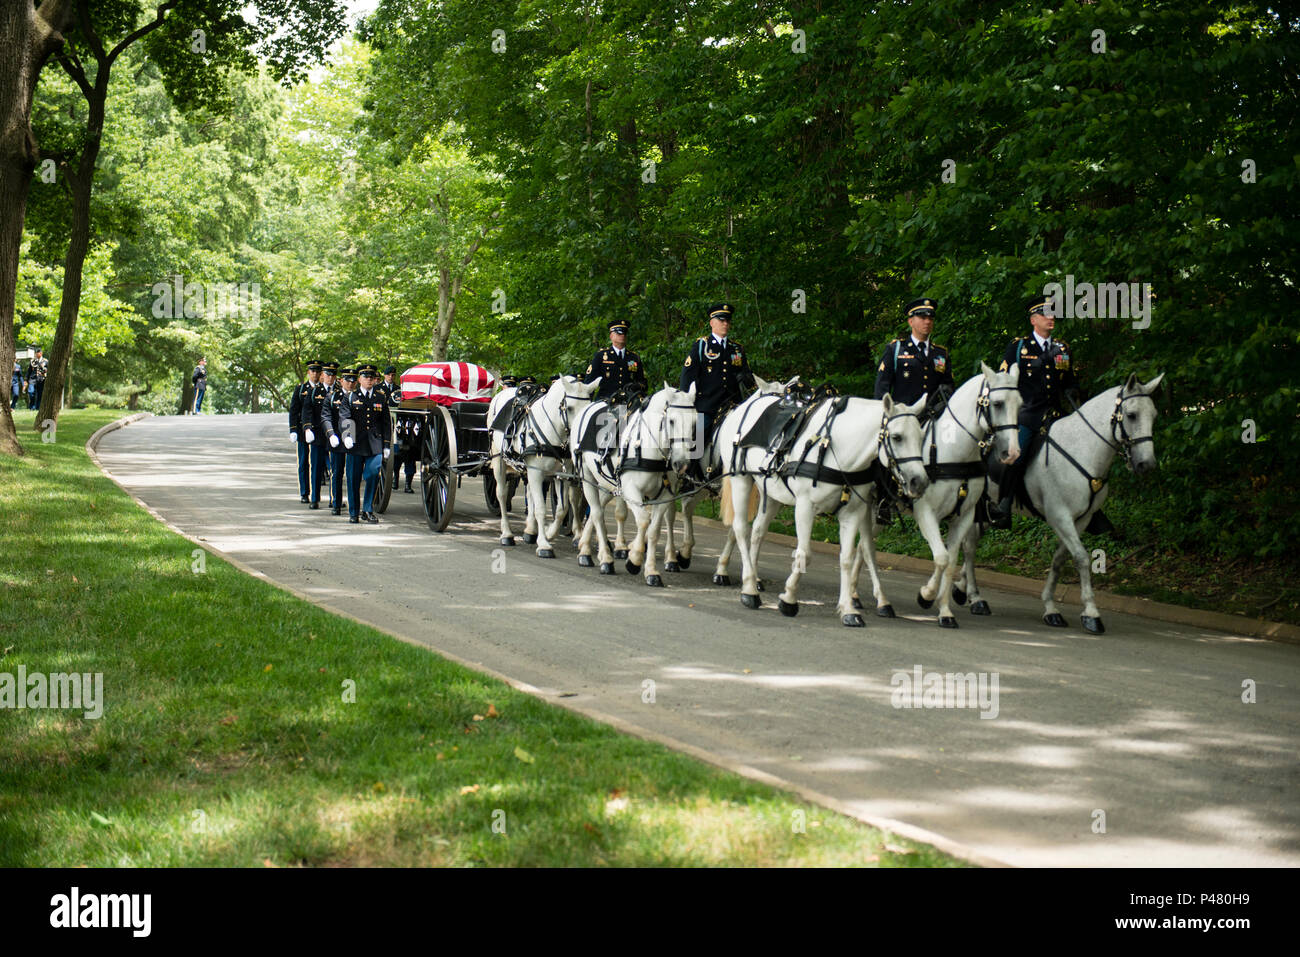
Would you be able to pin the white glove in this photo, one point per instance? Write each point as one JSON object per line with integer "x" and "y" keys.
{"x": 348, "y": 441}
{"x": 309, "y": 436}
{"x": 334, "y": 441}
{"x": 293, "y": 437}
{"x": 386, "y": 451}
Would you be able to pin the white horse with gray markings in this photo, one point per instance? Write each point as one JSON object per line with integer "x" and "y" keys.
{"x": 1066, "y": 485}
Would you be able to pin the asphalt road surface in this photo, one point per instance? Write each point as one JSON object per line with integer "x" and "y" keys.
{"x": 1145, "y": 725}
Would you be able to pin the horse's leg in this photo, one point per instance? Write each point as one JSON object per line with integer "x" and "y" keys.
{"x": 537, "y": 511}
{"x": 1071, "y": 543}
{"x": 620, "y": 523}
{"x": 957, "y": 533}
{"x": 637, "y": 549}
{"x": 583, "y": 541}
{"x": 688, "y": 531}
{"x": 767, "y": 509}
{"x": 978, "y": 606}
{"x": 652, "y": 576}
{"x": 867, "y": 549}
{"x": 850, "y": 565}
{"x": 720, "y": 576}
{"x": 928, "y": 523}
{"x": 499, "y": 473}
{"x": 670, "y": 538}
{"x": 788, "y": 601}
{"x": 740, "y": 486}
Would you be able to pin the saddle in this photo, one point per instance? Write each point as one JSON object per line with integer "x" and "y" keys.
{"x": 782, "y": 422}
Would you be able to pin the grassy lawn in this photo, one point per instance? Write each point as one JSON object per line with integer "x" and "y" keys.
{"x": 226, "y": 739}
{"x": 1135, "y": 564}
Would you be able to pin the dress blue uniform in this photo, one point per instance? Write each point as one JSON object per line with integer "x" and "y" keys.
{"x": 910, "y": 369}
{"x": 334, "y": 429}
{"x": 367, "y": 411}
{"x": 616, "y": 368}
{"x": 719, "y": 370}
{"x": 299, "y": 420}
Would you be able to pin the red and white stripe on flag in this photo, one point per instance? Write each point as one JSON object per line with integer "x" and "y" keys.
{"x": 448, "y": 382}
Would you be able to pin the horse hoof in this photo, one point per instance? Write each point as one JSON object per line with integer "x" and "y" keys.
{"x": 585, "y": 561}
{"x": 788, "y": 609}
{"x": 607, "y": 568}
{"x": 654, "y": 581}
{"x": 923, "y": 601}
{"x": 1055, "y": 620}
{"x": 672, "y": 567}
{"x": 750, "y": 601}
{"x": 1093, "y": 625}
{"x": 632, "y": 569}
{"x": 857, "y": 603}
{"x": 980, "y": 607}
{"x": 947, "y": 621}
{"x": 530, "y": 539}
{"x": 760, "y": 585}
{"x": 886, "y": 611}
{"x": 722, "y": 579}
{"x": 620, "y": 553}
{"x": 853, "y": 621}
{"x": 684, "y": 562}
{"x": 507, "y": 541}
{"x": 959, "y": 596}
{"x": 546, "y": 553}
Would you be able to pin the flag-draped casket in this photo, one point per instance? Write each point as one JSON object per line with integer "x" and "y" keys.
{"x": 447, "y": 383}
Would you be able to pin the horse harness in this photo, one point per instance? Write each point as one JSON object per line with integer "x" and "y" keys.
{"x": 1122, "y": 443}
{"x": 965, "y": 471}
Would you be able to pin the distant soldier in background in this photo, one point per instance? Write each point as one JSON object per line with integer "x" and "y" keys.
{"x": 368, "y": 446}
{"x": 299, "y": 418}
{"x": 200, "y": 380}
{"x": 335, "y": 431}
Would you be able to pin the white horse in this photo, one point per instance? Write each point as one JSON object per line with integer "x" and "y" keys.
{"x": 981, "y": 412}
{"x": 828, "y": 471}
{"x": 1066, "y": 482}
{"x": 538, "y": 447}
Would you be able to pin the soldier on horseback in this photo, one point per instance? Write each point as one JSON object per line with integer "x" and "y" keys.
{"x": 910, "y": 368}
{"x": 719, "y": 369}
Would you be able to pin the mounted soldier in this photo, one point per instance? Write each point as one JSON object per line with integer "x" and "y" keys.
{"x": 617, "y": 366}
{"x": 1047, "y": 381}
{"x": 914, "y": 367}
{"x": 719, "y": 369}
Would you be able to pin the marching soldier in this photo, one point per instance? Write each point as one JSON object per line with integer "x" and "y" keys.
{"x": 299, "y": 418}
{"x": 618, "y": 365}
{"x": 1046, "y": 378}
{"x": 316, "y": 415}
{"x": 393, "y": 390}
{"x": 911, "y": 368}
{"x": 368, "y": 445}
{"x": 336, "y": 433}
{"x": 719, "y": 369}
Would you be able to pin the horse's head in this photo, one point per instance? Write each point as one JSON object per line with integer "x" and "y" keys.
{"x": 900, "y": 444}
{"x": 679, "y": 419}
{"x": 1000, "y": 403}
{"x": 1132, "y": 424}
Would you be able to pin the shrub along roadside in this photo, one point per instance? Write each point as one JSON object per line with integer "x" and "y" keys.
{"x": 227, "y": 739}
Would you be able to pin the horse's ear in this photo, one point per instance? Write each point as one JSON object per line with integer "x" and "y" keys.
{"x": 665, "y": 385}
{"x": 691, "y": 392}
{"x": 594, "y": 384}
{"x": 888, "y": 402}
{"x": 1131, "y": 384}
{"x": 760, "y": 382}
{"x": 1154, "y": 384}
{"x": 984, "y": 368}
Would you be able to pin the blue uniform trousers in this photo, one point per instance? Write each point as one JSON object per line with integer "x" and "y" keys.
{"x": 304, "y": 467}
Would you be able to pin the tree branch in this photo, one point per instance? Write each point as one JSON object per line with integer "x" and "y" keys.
{"x": 160, "y": 15}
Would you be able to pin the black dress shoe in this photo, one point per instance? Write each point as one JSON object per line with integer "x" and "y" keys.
{"x": 999, "y": 513}
{"x": 315, "y": 504}
{"x": 354, "y": 520}
{"x": 305, "y": 500}
{"x": 408, "y": 487}
{"x": 372, "y": 518}
{"x": 335, "y": 510}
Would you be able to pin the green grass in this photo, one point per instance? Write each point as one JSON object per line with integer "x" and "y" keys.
{"x": 226, "y": 740}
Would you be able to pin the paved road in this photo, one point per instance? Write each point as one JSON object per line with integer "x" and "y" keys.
{"x": 1145, "y": 723}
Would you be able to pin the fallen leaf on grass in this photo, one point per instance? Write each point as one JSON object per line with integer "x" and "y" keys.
{"x": 524, "y": 756}
{"x": 99, "y": 819}
{"x": 379, "y": 787}
{"x": 492, "y": 711}
{"x": 228, "y": 719}
{"x": 748, "y": 671}
{"x": 895, "y": 849}
{"x": 469, "y": 789}
{"x": 439, "y": 756}
{"x": 616, "y": 805}
{"x": 588, "y": 828}
{"x": 267, "y": 862}
{"x": 268, "y": 668}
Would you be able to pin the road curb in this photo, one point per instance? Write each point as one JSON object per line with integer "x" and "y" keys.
{"x": 887, "y": 825}
{"x": 1109, "y": 601}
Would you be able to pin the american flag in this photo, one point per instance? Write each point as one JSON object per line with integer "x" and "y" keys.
{"x": 447, "y": 383}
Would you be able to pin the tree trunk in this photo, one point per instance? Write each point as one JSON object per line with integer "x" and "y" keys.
{"x": 28, "y": 38}
{"x": 78, "y": 242}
